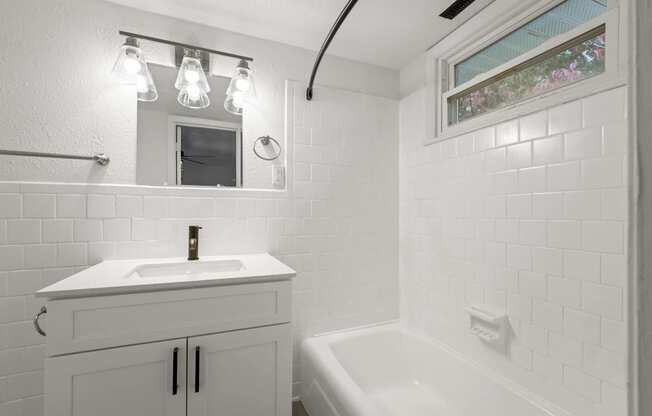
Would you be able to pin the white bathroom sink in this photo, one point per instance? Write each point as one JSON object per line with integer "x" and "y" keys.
{"x": 187, "y": 269}
{"x": 140, "y": 275}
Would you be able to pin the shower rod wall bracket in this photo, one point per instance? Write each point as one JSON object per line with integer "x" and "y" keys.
{"x": 329, "y": 38}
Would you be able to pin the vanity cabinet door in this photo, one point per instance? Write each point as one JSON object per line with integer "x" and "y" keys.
{"x": 241, "y": 373}
{"x": 126, "y": 381}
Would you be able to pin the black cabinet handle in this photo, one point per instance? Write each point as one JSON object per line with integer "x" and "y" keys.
{"x": 197, "y": 369}
{"x": 175, "y": 359}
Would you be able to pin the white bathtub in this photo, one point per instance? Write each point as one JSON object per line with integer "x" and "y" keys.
{"x": 386, "y": 371}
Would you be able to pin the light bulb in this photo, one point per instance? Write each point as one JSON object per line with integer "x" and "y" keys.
{"x": 130, "y": 62}
{"x": 131, "y": 65}
{"x": 191, "y": 73}
{"x": 191, "y": 76}
{"x": 242, "y": 84}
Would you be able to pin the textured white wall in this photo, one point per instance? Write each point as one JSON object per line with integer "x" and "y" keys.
{"x": 336, "y": 226}
{"x": 530, "y": 216}
{"x": 57, "y": 93}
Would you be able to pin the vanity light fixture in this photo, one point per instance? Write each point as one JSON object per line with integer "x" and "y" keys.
{"x": 130, "y": 61}
{"x": 242, "y": 88}
{"x": 192, "y": 82}
{"x": 242, "y": 81}
{"x": 131, "y": 68}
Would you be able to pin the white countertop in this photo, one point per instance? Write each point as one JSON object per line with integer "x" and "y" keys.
{"x": 117, "y": 276}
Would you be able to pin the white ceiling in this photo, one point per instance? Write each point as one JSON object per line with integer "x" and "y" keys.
{"x": 387, "y": 33}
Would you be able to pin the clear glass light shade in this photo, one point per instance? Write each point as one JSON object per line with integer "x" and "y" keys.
{"x": 193, "y": 96}
{"x": 234, "y": 104}
{"x": 145, "y": 87}
{"x": 242, "y": 82}
{"x": 191, "y": 73}
{"x": 130, "y": 63}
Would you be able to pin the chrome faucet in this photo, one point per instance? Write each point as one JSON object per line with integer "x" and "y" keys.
{"x": 193, "y": 242}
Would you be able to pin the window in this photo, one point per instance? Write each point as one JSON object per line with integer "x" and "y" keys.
{"x": 562, "y": 46}
{"x": 577, "y": 60}
{"x": 556, "y": 21}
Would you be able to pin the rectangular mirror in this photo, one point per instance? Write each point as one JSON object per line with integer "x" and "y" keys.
{"x": 180, "y": 146}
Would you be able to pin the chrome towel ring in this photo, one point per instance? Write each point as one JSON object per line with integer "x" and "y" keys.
{"x": 267, "y": 141}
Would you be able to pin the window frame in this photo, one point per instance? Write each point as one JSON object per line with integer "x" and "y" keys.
{"x": 442, "y": 69}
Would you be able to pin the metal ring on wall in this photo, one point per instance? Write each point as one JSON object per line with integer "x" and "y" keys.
{"x": 265, "y": 141}
{"x": 37, "y": 326}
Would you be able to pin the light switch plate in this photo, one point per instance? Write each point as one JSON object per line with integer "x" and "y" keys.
{"x": 278, "y": 176}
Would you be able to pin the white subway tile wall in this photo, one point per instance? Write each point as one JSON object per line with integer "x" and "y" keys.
{"x": 337, "y": 227}
{"x": 543, "y": 204}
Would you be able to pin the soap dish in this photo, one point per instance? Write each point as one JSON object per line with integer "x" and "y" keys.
{"x": 488, "y": 323}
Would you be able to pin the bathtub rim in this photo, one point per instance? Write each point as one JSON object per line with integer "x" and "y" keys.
{"x": 332, "y": 380}
{"x": 320, "y": 345}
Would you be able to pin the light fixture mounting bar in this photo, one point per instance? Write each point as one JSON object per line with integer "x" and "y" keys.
{"x": 184, "y": 45}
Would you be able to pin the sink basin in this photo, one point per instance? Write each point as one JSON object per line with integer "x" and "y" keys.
{"x": 189, "y": 270}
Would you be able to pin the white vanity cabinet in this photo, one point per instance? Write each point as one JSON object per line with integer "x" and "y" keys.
{"x": 222, "y": 349}
{"x": 237, "y": 373}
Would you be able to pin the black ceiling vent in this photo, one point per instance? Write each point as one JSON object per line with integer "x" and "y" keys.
{"x": 456, "y": 8}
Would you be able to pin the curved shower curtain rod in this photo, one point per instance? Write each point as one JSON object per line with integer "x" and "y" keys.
{"x": 457, "y": 7}
{"x": 340, "y": 19}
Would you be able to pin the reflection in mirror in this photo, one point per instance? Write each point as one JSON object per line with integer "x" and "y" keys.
{"x": 183, "y": 146}
{"x": 207, "y": 152}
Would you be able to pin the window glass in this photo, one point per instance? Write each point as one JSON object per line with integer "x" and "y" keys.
{"x": 577, "y": 60}
{"x": 558, "y": 20}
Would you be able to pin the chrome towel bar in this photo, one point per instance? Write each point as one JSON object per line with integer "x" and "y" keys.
{"x": 99, "y": 158}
